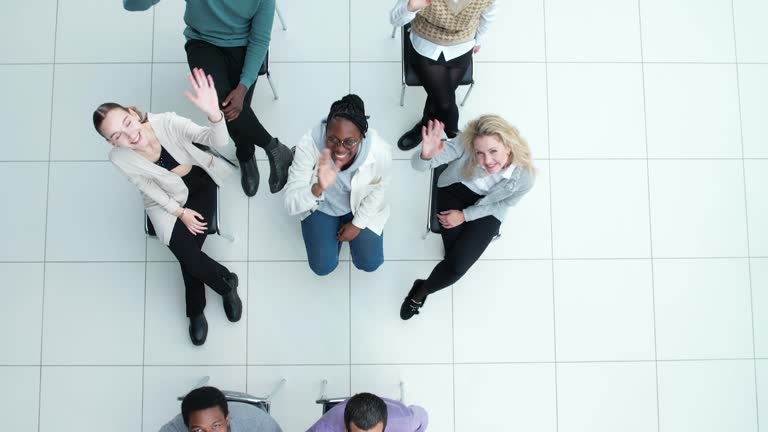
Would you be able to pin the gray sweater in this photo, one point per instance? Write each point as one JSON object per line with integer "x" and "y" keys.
{"x": 503, "y": 195}
{"x": 242, "y": 418}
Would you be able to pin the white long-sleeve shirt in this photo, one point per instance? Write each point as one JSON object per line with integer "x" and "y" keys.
{"x": 402, "y": 16}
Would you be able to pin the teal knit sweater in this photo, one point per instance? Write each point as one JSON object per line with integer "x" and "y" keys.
{"x": 227, "y": 23}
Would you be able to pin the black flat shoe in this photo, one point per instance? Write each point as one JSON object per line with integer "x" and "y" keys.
{"x": 410, "y": 139}
{"x": 410, "y": 307}
{"x": 198, "y": 329}
{"x": 280, "y": 159}
{"x": 249, "y": 176}
{"x": 233, "y": 306}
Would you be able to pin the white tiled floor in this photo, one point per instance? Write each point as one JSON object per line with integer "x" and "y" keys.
{"x": 629, "y": 289}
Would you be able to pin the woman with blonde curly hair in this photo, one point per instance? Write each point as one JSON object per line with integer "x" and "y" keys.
{"x": 489, "y": 170}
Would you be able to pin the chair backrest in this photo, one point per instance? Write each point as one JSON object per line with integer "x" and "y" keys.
{"x": 328, "y": 404}
{"x": 434, "y": 224}
{"x": 410, "y": 78}
{"x": 261, "y": 403}
{"x": 264, "y": 69}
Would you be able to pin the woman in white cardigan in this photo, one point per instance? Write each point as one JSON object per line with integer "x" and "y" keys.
{"x": 338, "y": 185}
{"x": 178, "y": 182}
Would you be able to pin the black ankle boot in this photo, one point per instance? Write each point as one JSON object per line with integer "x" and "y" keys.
{"x": 410, "y": 139}
{"x": 280, "y": 159}
{"x": 233, "y": 306}
{"x": 198, "y": 329}
{"x": 249, "y": 176}
{"x": 409, "y": 308}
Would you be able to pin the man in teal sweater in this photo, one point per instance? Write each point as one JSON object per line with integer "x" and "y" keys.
{"x": 228, "y": 39}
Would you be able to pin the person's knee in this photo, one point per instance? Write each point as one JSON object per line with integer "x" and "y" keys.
{"x": 323, "y": 267}
{"x": 368, "y": 264}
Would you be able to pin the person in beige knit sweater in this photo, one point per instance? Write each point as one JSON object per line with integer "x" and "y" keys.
{"x": 445, "y": 34}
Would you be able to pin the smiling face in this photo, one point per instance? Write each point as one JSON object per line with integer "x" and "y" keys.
{"x": 122, "y": 128}
{"x": 491, "y": 154}
{"x": 339, "y": 134}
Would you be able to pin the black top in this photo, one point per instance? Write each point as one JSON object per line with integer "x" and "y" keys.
{"x": 166, "y": 160}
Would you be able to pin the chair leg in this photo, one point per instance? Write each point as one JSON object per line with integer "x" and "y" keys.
{"x": 402, "y": 95}
{"x": 219, "y": 231}
{"x": 280, "y": 17}
{"x": 272, "y": 85}
{"x": 394, "y": 30}
{"x": 466, "y": 95}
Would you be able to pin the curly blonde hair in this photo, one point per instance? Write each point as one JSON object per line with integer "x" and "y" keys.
{"x": 493, "y": 125}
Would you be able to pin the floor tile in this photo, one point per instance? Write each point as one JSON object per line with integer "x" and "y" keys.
{"x": 524, "y": 392}
{"x": 21, "y": 400}
{"x": 606, "y": 219}
{"x": 285, "y": 297}
{"x": 596, "y": 110}
{"x": 762, "y": 388}
{"x": 82, "y": 226}
{"x": 716, "y": 396}
{"x": 167, "y": 336}
{"x": 375, "y": 305}
{"x": 30, "y": 87}
{"x": 370, "y": 32}
{"x": 604, "y": 310}
{"x": 123, "y": 36}
{"x": 751, "y": 32}
{"x": 606, "y": 397}
{"x": 753, "y": 91}
{"x": 94, "y": 314}
{"x": 702, "y": 309}
{"x": 517, "y": 35}
{"x": 24, "y": 237}
{"x": 78, "y": 90}
{"x": 488, "y": 300}
{"x": 22, "y": 293}
{"x": 294, "y": 405}
{"x": 164, "y": 384}
{"x": 671, "y": 33}
{"x": 593, "y": 30}
{"x": 113, "y": 395}
{"x": 168, "y": 39}
{"x": 693, "y": 111}
{"x": 310, "y": 38}
{"x": 757, "y": 206}
{"x": 759, "y": 280}
{"x": 34, "y": 47}
{"x": 697, "y": 208}
{"x": 428, "y": 386}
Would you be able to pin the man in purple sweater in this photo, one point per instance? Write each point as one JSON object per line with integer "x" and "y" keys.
{"x": 365, "y": 412}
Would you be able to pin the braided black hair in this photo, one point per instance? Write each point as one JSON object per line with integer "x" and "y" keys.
{"x": 352, "y": 108}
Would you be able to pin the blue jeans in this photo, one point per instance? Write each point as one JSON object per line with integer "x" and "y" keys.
{"x": 319, "y": 231}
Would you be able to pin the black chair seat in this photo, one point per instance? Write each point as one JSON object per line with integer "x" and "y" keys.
{"x": 409, "y": 73}
{"x": 434, "y": 224}
{"x": 264, "y": 69}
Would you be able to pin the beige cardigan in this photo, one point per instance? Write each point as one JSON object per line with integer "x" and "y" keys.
{"x": 163, "y": 191}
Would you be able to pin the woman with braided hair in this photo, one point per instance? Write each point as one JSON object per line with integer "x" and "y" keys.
{"x": 338, "y": 185}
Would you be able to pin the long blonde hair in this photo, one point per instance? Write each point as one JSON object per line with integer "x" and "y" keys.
{"x": 494, "y": 125}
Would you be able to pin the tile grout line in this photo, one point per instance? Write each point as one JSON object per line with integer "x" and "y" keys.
{"x": 650, "y": 218}
{"x": 387, "y": 61}
{"x": 349, "y": 280}
{"x": 405, "y": 160}
{"x": 551, "y": 218}
{"x": 45, "y": 240}
{"x": 746, "y": 217}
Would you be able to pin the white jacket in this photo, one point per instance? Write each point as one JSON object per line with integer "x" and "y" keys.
{"x": 370, "y": 184}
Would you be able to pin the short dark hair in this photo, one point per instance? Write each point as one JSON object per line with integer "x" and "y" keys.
{"x": 366, "y": 410}
{"x": 203, "y": 398}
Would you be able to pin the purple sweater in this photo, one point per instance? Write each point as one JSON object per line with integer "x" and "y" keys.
{"x": 400, "y": 418}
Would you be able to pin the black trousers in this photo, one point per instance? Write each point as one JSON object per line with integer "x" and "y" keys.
{"x": 440, "y": 79}
{"x": 197, "y": 268}
{"x": 225, "y": 64}
{"x": 463, "y": 244}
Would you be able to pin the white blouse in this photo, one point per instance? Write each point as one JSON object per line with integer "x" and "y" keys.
{"x": 481, "y": 182}
{"x": 402, "y": 16}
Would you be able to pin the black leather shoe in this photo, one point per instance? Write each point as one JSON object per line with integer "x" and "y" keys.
{"x": 409, "y": 308}
{"x": 249, "y": 176}
{"x": 198, "y": 329}
{"x": 233, "y": 306}
{"x": 280, "y": 159}
{"x": 410, "y": 139}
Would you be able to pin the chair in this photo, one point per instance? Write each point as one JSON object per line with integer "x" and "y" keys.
{"x": 329, "y": 403}
{"x": 214, "y": 222}
{"x": 264, "y": 70}
{"x": 433, "y": 224}
{"x": 280, "y": 17}
{"x": 262, "y": 403}
{"x": 409, "y": 77}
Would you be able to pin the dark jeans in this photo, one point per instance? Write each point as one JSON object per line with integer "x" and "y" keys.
{"x": 319, "y": 231}
{"x": 225, "y": 64}
{"x": 440, "y": 79}
{"x": 463, "y": 244}
{"x": 197, "y": 268}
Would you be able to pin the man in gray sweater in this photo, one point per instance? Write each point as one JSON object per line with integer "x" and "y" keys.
{"x": 205, "y": 409}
